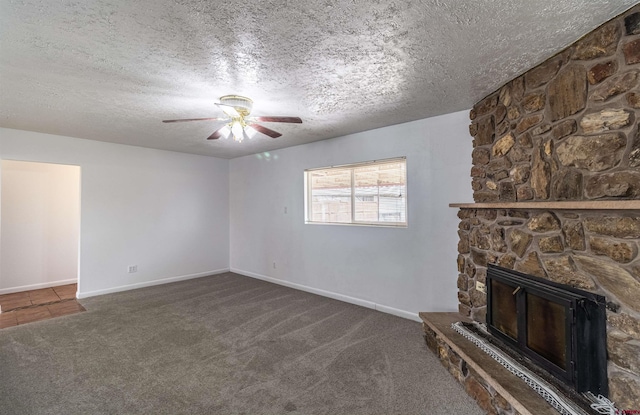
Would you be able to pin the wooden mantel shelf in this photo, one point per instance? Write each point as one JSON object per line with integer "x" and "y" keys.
{"x": 565, "y": 205}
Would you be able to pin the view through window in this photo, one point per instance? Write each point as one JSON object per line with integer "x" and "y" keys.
{"x": 372, "y": 193}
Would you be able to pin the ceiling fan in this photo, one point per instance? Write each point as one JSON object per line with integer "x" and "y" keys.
{"x": 240, "y": 125}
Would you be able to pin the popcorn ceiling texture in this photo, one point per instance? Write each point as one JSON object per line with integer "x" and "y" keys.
{"x": 565, "y": 130}
{"x": 110, "y": 70}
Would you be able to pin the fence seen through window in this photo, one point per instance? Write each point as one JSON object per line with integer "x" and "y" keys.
{"x": 372, "y": 193}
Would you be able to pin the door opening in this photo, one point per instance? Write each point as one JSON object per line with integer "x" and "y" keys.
{"x": 39, "y": 225}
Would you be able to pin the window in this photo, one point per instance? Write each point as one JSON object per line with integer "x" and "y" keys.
{"x": 372, "y": 193}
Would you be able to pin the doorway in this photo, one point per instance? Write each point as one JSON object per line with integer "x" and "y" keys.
{"x": 39, "y": 225}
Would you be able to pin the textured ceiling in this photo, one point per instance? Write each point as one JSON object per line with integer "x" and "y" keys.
{"x": 111, "y": 70}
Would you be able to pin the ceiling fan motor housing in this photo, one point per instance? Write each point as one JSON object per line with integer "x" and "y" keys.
{"x": 242, "y": 104}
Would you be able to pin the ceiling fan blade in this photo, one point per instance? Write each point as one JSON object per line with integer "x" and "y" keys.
{"x": 217, "y": 133}
{"x": 229, "y": 110}
{"x": 197, "y": 119}
{"x": 266, "y": 131}
{"x": 295, "y": 120}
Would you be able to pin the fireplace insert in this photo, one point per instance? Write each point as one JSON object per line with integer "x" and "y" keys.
{"x": 560, "y": 328}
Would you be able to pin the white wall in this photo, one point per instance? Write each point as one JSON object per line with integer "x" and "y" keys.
{"x": 402, "y": 271}
{"x": 40, "y": 208}
{"x": 169, "y": 213}
{"x": 166, "y": 212}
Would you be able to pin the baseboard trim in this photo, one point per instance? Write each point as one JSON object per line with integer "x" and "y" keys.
{"x": 398, "y": 313}
{"x": 330, "y": 294}
{"x": 37, "y": 286}
{"x": 149, "y": 283}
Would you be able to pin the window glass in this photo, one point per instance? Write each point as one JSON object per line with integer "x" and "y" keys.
{"x": 380, "y": 193}
{"x": 373, "y": 193}
{"x": 331, "y": 195}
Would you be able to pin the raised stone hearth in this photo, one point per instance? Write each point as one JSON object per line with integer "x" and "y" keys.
{"x": 556, "y": 180}
{"x": 496, "y": 390}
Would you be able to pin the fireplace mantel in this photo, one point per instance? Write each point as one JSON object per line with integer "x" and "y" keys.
{"x": 564, "y": 205}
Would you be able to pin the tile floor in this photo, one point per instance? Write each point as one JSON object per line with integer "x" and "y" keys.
{"x": 28, "y": 306}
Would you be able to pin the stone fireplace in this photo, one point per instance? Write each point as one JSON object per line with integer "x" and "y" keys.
{"x": 556, "y": 181}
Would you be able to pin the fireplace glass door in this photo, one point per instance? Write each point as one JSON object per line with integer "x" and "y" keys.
{"x": 547, "y": 329}
{"x": 560, "y": 328}
{"x": 505, "y": 318}
{"x": 534, "y": 320}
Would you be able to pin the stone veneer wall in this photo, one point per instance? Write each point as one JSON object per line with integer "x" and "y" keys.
{"x": 566, "y": 130}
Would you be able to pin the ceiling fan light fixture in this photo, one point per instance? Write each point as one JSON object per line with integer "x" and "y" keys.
{"x": 237, "y": 130}
{"x": 249, "y": 131}
{"x": 225, "y": 132}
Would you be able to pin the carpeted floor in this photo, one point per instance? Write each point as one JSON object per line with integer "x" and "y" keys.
{"x": 224, "y": 344}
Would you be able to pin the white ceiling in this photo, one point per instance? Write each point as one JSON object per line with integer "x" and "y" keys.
{"x": 111, "y": 70}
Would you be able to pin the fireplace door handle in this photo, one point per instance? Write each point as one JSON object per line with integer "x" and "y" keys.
{"x": 516, "y": 291}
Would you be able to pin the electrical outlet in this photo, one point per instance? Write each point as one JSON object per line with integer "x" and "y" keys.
{"x": 274, "y": 264}
{"x": 481, "y": 287}
{"x": 285, "y": 210}
{"x": 132, "y": 269}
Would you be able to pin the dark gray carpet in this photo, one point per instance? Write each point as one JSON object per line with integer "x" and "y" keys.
{"x": 224, "y": 344}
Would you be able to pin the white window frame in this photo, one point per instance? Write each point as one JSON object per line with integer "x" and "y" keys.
{"x": 353, "y": 166}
